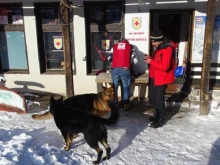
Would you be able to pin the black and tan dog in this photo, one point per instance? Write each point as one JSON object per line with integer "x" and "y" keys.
{"x": 92, "y": 103}
{"x": 72, "y": 121}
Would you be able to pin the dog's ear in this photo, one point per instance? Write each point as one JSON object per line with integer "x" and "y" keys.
{"x": 60, "y": 99}
{"x": 103, "y": 88}
{"x": 52, "y": 100}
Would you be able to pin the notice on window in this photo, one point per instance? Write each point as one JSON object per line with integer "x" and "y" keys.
{"x": 58, "y": 42}
{"x": 17, "y": 19}
{"x": 199, "y": 34}
{"x": 3, "y": 15}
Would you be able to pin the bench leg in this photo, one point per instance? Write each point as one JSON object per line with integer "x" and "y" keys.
{"x": 139, "y": 93}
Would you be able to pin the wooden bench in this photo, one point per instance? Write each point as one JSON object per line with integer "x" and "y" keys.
{"x": 138, "y": 79}
{"x": 106, "y": 77}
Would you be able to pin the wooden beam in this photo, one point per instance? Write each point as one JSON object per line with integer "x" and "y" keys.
{"x": 64, "y": 14}
{"x": 207, "y": 57}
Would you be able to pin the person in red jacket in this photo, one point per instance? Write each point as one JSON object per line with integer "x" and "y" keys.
{"x": 123, "y": 56}
{"x": 161, "y": 73}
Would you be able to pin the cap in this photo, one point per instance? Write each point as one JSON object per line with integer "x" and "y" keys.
{"x": 156, "y": 36}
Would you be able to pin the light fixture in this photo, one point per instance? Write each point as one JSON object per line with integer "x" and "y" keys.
{"x": 140, "y": 2}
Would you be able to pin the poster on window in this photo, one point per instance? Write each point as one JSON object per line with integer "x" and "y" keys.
{"x": 3, "y": 15}
{"x": 216, "y": 41}
{"x": 58, "y": 42}
{"x": 199, "y": 33}
{"x": 17, "y": 19}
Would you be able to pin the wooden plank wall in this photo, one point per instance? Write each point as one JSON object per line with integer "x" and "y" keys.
{"x": 195, "y": 73}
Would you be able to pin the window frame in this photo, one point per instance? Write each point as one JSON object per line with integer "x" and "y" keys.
{"x": 14, "y": 27}
{"x": 41, "y": 28}
{"x": 113, "y": 27}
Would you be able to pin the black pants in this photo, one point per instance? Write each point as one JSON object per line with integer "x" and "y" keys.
{"x": 156, "y": 97}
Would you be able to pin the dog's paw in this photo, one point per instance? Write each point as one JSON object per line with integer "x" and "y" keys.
{"x": 105, "y": 158}
{"x": 67, "y": 148}
{"x": 75, "y": 136}
{"x": 95, "y": 162}
{"x": 108, "y": 151}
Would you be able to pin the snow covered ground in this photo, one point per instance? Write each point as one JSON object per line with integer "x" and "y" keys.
{"x": 185, "y": 139}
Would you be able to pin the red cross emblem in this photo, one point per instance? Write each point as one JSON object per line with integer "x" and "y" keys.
{"x": 136, "y": 23}
{"x": 105, "y": 44}
{"x": 58, "y": 43}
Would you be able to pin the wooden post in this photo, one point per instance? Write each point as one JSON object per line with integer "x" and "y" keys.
{"x": 64, "y": 4}
{"x": 207, "y": 57}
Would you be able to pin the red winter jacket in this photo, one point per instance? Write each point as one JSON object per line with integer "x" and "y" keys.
{"x": 121, "y": 54}
{"x": 162, "y": 65}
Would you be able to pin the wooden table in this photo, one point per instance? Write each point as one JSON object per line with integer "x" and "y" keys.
{"x": 138, "y": 79}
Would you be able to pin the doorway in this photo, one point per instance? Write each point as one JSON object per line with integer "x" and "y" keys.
{"x": 175, "y": 25}
{"x": 169, "y": 24}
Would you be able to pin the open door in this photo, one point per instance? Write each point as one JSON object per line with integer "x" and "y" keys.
{"x": 169, "y": 24}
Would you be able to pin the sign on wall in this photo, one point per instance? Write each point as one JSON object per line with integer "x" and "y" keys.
{"x": 216, "y": 40}
{"x": 136, "y": 31}
{"x": 199, "y": 33}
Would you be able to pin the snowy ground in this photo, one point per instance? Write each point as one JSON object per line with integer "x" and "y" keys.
{"x": 185, "y": 139}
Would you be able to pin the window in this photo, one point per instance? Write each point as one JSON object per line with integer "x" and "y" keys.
{"x": 13, "y": 57}
{"x": 104, "y": 28}
{"x": 50, "y": 40}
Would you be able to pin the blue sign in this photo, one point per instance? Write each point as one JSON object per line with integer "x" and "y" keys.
{"x": 216, "y": 40}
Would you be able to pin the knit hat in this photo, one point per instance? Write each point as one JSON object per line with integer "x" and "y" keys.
{"x": 156, "y": 36}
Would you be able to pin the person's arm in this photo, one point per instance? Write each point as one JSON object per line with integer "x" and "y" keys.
{"x": 164, "y": 64}
{"x": 134, "y": 57}
{"x": 110, "y": 56}
{"x": 2, "y": 79}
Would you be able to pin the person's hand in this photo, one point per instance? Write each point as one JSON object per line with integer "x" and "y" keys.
{"x": 146, "y": 56}
{"x": 148, "y": 60}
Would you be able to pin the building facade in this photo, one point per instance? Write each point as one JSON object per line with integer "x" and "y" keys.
{"x": 31, "y": 42}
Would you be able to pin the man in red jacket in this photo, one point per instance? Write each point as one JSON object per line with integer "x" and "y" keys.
{"x": 123, "y": 56}
{"x": 161, "y": 73}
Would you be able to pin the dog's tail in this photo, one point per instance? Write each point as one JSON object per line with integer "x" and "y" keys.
{"x": 44, "y": 116}
{"x": 114, "y": 114}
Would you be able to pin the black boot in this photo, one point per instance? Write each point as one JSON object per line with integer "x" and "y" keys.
{"x": 151, "y": 119}
{"x": 156, "y": 124}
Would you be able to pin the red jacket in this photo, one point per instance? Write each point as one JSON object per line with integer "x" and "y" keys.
{"x": 121, "y": 54}
{"x": 162, "y": 65}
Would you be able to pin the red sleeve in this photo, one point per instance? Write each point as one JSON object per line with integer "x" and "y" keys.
{"x": 165, "y": 62}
